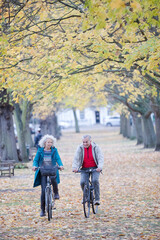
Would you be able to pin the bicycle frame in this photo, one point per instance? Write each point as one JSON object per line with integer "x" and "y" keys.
{"x": 88, "y": 195}
{"x": 49, "y": 199}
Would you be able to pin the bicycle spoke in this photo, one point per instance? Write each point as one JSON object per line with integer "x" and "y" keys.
{"x": 86, "y": 201}
{"x": 94, "y": 207}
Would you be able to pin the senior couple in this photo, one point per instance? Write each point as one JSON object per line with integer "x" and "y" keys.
{"x": 88, "y": 155}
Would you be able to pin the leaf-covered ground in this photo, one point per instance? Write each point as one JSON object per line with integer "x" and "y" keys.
{"x": 129, "y": 195}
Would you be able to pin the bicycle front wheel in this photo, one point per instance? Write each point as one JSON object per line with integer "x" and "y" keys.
{"x": 86, "y": 201}
{"x": 49, "y": 203}
{"x": 94, "y": 207}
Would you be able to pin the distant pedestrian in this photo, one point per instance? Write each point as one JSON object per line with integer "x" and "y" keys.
{"x": 37, "y": 138}
{"x": 89, "y": 155}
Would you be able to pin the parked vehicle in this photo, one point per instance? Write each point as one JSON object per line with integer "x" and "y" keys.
{"x": 112, "y": 121}
{"x": 64, "y": 125}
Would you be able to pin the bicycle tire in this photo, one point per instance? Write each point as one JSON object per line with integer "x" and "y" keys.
{"x": 46, "y": 199}
{"x": 94, "y": 207}
{"x": 48, "y": 203}
{"x": 86, "y": 201}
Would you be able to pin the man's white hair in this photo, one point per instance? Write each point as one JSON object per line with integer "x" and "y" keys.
{"x": 86, "y": 136}
{"x": 45, "y": 138}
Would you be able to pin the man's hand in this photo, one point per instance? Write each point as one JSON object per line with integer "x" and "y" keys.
{"x": 75, "y": 170}
{"x": 34, "y": 169}
{"x": 98, "y": 169}
{"x": 61, "y": 168}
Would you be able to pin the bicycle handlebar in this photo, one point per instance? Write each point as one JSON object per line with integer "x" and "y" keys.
{"x": 90, "y": 170}
{"x": 58, "y": 167}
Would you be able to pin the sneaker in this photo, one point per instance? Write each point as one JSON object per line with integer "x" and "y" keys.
{"x": 42, "y": 214}
{"x": 56, "y": 196}
{"x": 97, "y": 202}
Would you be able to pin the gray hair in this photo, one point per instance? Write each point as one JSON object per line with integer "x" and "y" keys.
{"x": 86, "y": 136}
{"x": 45, "y": 138}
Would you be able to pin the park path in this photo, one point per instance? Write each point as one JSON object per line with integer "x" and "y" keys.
{"x": 129, "y": 195}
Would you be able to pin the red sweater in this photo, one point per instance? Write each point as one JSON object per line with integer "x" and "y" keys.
{"x": 88, "y": 160}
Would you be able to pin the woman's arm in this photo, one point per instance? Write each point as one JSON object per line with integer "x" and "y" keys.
{"x": 58, "y": 159}
{"x": 36, "y": 160}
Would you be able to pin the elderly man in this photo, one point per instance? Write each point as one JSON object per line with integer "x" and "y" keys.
{"x": 89, "y": 155}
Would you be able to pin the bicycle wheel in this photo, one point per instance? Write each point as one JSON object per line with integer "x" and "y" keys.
{"x": 50, "y": 206}
{"x": 94, "y": 207}
{"x": 86, "y": 201}
{"x": 48, "y": 201}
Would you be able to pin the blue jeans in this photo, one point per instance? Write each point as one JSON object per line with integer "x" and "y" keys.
{"x": 43, "y": 186}
{"x": 95, "y": 181}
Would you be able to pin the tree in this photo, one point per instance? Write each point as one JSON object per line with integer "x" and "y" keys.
{"x": 8, "y": 149}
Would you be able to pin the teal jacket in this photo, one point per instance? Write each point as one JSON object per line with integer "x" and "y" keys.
{"x": 38, "y": 160}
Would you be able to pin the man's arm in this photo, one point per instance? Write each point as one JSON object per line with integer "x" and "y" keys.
{"x": 76, "y": 160}
{"x": 100, "y": 159}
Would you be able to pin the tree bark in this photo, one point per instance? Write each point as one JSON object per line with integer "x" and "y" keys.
{"x": 76, "y": 121}
{"x": 29, "y": 140}
{"x": 157, "y": 126}
{"x": 50, "y": 126}
{"x": 148, "y": 132}
{"x": 155, "y": 105}
{"x": 8, "y": 149}
{"x": 21, "y": 132}
{"x": 22, "y": 115}
{"x": 138, "y": 127}
{"x": 124, "y": 126}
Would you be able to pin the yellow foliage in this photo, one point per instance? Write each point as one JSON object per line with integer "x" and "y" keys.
{"x": 136, "y": 6}
{"x": 115, "y": 4}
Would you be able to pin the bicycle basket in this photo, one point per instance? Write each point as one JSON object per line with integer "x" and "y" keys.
{"x": 48, "y": 171}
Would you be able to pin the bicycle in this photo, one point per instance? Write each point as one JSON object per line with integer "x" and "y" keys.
{"x": 88, "y": 195}
{"x": 49, "y": 198}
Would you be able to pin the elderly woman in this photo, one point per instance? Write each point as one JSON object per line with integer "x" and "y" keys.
{"x": 47, "y": 155}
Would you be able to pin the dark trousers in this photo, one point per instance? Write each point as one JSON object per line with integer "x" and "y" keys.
{"x": 43, "y": 186}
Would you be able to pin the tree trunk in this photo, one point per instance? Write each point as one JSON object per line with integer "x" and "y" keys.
{"x": 22, "y": 115}
{"x": 128, "y": 128}
{"x": 148, "y": 132}
{"x": 50, "y": 126}
{"x": 121, "y": 124}
{"x": 157, "y": 126}
{"x": 29, "y": 140}
{"x": 8, "y": 149}
{"x": 155, "y": 105}
{"x": 76, "y": 121}
{"x": 21, "y": 132}
{"x": 124, "y": 126}
{"x": 138, "y": 127}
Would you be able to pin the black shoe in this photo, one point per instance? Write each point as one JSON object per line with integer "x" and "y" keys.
{"x": 42, "y": 214}
{"x": 56, "y": 196}
{"x": 97, "y": 202}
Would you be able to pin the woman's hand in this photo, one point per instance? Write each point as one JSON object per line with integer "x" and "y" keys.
{"x": 61, "y": 168}
{"x": 34, "y": 169}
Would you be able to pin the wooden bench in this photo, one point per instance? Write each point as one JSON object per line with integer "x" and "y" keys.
{"x": 7, "y": 168}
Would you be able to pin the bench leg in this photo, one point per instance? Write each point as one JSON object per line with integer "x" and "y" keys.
{"x": 9, "y": 171}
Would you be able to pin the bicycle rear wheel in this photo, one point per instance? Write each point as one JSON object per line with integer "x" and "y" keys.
{"x": 86, "y": 201}
{"x": 94, "y": 207}
{"x": 48, "y": 199}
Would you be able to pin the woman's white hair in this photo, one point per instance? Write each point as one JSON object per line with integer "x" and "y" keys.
{"x": 45, "y": 138}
